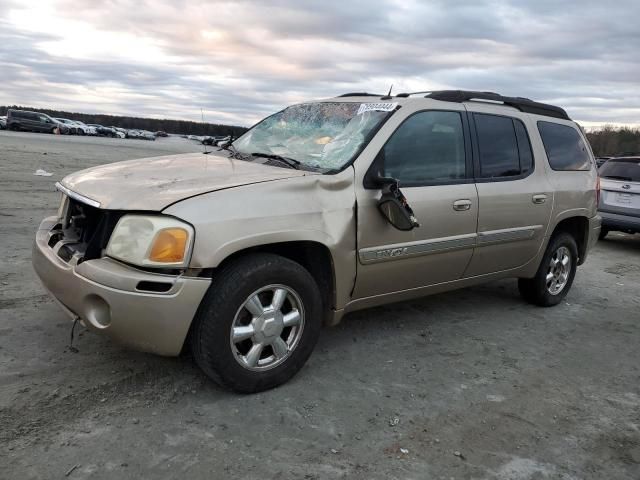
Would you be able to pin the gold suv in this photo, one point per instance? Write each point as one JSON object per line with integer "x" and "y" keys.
{"x": 326, "y": 207}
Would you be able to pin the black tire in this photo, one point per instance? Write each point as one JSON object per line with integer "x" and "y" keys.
{"x": 535, "y": 290}
{"x": 233, "y": 284}
{"x": 603, "y": 233}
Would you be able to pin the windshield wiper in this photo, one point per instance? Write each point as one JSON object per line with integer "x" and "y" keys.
{"x": 292, "y": 162}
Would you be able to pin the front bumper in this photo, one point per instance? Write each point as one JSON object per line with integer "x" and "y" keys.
{"x": 105, "y": 295}
{"x": 624, "y": 223}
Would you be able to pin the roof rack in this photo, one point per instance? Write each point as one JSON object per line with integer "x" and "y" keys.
{"x": 520, "y": 103}
{"x": 361, "y": 94}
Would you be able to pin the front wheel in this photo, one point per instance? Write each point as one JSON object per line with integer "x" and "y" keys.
{"x": 555, "y": 274}
{"x": 258, "y": 323}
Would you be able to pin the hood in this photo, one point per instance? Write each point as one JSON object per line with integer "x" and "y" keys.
{"x": 156, "y": 183}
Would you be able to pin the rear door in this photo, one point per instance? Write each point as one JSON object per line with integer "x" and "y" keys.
{"x": 620, "y": 187}
{"x": 515, "y": 197}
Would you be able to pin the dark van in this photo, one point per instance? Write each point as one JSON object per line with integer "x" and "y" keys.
{"x": 34, "y": 122}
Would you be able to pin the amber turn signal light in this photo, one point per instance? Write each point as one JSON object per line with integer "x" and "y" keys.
{"x": 169, "y": 245}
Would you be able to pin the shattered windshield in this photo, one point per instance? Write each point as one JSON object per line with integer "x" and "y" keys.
{"x": 323, "y": 136}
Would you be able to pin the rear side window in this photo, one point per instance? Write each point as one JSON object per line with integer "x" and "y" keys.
{"x": 504, "y": 147}
{"x": 427, "y": 148}
{"x": 564, "y": 146}
{"x": 623, "y": 170}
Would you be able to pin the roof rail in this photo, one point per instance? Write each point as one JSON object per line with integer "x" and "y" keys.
{"x": 520, "y": 103}
{"x": 361, "y": 94}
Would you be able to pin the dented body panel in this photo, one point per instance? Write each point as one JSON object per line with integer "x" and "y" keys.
{"x": 155, "y": 183}
{"x": 316, "y": 208}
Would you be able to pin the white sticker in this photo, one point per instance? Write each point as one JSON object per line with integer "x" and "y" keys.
{"x": 378, "y": 107}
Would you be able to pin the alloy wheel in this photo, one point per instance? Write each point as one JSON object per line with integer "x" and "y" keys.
{"x": 267, "y": 327}
{"x": 558, "y": 271}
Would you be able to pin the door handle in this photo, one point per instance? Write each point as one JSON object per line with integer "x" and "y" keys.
{"x": 539, "y": 199}
{"x": 461, "y": 205}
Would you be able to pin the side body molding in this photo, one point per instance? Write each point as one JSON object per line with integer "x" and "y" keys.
{"x": 397, "y": 251}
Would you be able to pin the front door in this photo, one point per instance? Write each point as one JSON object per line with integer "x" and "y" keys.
{"x": 429, "y": 154}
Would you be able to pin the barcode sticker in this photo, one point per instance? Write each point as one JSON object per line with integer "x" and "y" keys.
{"x": 378, "y": 107}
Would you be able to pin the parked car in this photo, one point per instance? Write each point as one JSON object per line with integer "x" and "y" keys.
{"x": 103, "y": 131}
{"x": 620, "y": 195}
{"x": 161, "y": 133}
{"x": 3, "y": 122}
{"x": 73, "y": 127}
{"x": 601, "y": 161}
{"x": 319, "y": 210}
{"x": 84, "y": 129}
{"x": 120, "y": 132}
{"x": 34, "y": 122}
{"x": 140, "y": 134}
{"x": 213, "y": 140}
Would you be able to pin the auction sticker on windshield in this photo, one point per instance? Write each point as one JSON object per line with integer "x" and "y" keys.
{"x": 378, "y": 107}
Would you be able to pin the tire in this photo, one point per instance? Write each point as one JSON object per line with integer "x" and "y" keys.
{"x": 603, "y": 233}
{"x": 536, "y": 290}
{"x": 233, "y": 365}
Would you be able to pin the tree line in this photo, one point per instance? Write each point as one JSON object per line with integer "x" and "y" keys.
{"x": 182, "y": 127}
{"x": 610, "y": 141}
{"x": 605, "y": 142}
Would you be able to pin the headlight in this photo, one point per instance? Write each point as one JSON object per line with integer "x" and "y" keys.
{"x": 151, "y": 241}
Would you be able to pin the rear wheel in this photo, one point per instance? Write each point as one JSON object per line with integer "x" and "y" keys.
{"x": 257, "y": 324}
{"x": 555, "y": 274}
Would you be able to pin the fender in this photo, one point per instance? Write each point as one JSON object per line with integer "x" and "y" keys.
{"x": 323, "y": 211}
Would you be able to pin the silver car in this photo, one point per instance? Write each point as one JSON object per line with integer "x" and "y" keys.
{"x": 620, "y": 195}
{"x": 326, "y": 207}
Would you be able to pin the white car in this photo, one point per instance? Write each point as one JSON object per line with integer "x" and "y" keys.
{"x": 84, "y": 129}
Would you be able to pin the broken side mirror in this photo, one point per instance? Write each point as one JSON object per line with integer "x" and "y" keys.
{"x": 394, "y": 206}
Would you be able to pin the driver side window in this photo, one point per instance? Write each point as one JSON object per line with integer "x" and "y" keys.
{"x": 427, "y": 148}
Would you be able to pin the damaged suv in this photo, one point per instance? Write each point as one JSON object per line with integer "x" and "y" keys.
{"x": 326, "y": 207}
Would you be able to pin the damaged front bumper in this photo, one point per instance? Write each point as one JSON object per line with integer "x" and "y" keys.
{"x": 115, "y": 299}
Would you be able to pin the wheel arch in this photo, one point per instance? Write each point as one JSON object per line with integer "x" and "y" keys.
{"x": 313, "y": 255}
{"x": 578, "y": 227}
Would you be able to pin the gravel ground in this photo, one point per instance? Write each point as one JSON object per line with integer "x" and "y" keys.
{"x": 469, "y": 384}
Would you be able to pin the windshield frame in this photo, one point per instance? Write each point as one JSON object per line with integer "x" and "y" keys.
{"x": 329, "y": 171}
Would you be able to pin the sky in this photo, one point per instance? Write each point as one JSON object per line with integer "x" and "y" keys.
{"x": 239, "y": 61}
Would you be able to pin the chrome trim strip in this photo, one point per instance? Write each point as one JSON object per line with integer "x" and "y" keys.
{"x": 397, "y": 251}
{"x": 507, "y": 235}
{"x": 77, "y": 196}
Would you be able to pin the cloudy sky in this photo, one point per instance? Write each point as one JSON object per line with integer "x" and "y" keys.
{"x": 240, "y": 60}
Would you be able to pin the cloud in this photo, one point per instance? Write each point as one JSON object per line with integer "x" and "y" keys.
{"x": 241, "y": 60}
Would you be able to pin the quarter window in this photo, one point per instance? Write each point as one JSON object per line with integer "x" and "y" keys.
{"x": 504, "y": 147}
{"x": 564, "y": 146}
{"x": 427, "y": 148}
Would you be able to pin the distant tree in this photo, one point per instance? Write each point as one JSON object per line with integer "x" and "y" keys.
{"x": 610, "y": 141}
{"x": 181, "y": 127}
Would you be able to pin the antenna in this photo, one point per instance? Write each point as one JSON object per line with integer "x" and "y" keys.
{"x": 203, "y": 144}
{"x": 388, "y": 95}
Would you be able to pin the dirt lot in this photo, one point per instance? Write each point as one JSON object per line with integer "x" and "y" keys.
{"x": 470, "y": 384}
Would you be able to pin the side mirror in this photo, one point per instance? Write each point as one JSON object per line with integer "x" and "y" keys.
{"x": 394, "y": 207}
